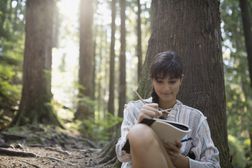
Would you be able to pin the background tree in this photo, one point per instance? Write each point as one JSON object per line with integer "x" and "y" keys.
{"x": 122, "y": 71}
{"x": 139, "y": 40}
{"x": 238, "y": 88}
{"x": 86, "y": 88}
{"x": 247, "y": 29}
{"x": 247, "y": 26}
{"x": 198, "y": 43}
{"x": 111, "y": 105}
{"x": 35, "y": 105}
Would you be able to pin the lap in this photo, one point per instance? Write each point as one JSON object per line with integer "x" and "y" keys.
{"x": 147, "y": 148}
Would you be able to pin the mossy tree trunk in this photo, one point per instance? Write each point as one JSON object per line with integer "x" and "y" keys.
{"x": 35, "y": 106}
{"x": 86, "y": 88}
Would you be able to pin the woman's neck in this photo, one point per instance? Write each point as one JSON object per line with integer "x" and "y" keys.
{"x": 166, "y": 105}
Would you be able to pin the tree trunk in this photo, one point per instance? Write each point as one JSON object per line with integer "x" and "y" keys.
{"x": 36, "y": 97}
{"x": 192, "y": 29}
{"x": 139, "y": 40}
{"x": 111, "y": 108}
{"x": 247, "y": 26}
{"x": 86, "y": 88}
{"x": 122, "y": 76}
{"x": 99, "y": 70}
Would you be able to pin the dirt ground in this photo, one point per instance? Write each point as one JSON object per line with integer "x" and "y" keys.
{"x": 46, "y": 148}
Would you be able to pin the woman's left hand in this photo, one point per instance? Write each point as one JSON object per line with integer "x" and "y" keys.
{"x": 177, "y": 158}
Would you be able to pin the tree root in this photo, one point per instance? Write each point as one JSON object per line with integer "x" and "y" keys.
{"x": 108, "y": 156}
{"x": 8, "y": 137}
{"x": 56, "y": 159}
{"x": 58, "y": 150}
{"x": 30, "y": 164}
{"x": 107, "y": 150}
{"x": 9, "y": 152}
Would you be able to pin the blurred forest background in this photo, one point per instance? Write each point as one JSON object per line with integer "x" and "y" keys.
{"x": 89, "y": 85}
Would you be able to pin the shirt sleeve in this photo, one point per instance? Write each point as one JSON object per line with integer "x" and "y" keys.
{"x": 129, "y": 120}
{"x": 206, "y": 154}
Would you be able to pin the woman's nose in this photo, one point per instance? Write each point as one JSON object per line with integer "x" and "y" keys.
{"x": 167, "y": 87}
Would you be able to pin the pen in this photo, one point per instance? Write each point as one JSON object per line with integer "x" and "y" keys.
{"x": 187, "y": 139}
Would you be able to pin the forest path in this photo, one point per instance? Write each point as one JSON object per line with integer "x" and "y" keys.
{"x": 46, "y": 147}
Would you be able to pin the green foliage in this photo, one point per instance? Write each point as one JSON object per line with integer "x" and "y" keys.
{"x": 100, "y": 130}
{"x": 238, "y": 90}
{"x": 9, "y": 93}
{"x": 237, "y": 152}
{"x": 11, "y": 52}
{"x": 86, "y": 101}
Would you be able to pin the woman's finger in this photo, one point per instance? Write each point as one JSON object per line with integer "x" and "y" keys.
{"x": 142, "y": 116}
{"x": 148, "y": 111}
{"x": 178, "y": 144}
{"x": 172, "y": 147}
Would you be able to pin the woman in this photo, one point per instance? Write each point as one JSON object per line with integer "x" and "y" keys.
{"x": 139, "y": 147}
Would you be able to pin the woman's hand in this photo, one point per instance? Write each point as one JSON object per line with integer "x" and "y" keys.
{"x": 149, "y": 110}
{"x": 177, "y": 158}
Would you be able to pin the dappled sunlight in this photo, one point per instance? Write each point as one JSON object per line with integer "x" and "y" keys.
{"x": 65, "y": 56}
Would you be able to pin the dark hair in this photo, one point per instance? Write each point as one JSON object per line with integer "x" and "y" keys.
{"x": 165, "y": 64}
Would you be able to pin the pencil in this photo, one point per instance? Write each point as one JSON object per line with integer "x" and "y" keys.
{"x": 138, "y": 95}
{"x": 159, "y": 109}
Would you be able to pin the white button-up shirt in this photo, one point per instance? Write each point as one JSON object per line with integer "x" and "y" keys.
{"x": 206, "y": 154}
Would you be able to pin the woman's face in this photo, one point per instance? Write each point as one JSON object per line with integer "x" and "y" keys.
{"x": 167, "y": 89}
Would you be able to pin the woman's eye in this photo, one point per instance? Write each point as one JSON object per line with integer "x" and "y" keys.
{"x": 159, "y": 81}
{"x": 172, "y": 82}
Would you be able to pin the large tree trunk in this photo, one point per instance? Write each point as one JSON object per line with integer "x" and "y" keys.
{"x": 111, "y": 103}
{"x": 122, "y": 76}
{"x": 86, "y": 88}
{"x": 192, "y": 29}
{"x": 35, "y": 104}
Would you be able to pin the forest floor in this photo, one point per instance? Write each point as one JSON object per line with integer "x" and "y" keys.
{"x": 47, "y": 147}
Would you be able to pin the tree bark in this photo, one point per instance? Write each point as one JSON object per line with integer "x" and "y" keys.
{"x": 36, "y": 97}
{"x": 192, "y": 29}
{"x": 122, "y": 76}
{"x": 247, "y": 26}
{"x": 86, "y": 88}
{"x": 139, "y": 40}
{"x": 111, "y": 108}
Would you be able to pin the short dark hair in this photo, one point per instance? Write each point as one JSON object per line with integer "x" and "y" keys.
{"x": 166, "y": 63}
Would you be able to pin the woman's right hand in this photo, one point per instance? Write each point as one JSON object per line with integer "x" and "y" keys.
{"x": 149, "y": 110}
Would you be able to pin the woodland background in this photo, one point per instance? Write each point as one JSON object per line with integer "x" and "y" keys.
{"x": 92, "y": 59}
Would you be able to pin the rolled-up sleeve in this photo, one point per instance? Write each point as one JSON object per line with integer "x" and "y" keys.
{"x": 207, "y": 155}
{"x": 129, "y": 120}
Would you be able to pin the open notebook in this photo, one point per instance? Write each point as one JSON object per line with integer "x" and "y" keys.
{"x": 167, "y": 131}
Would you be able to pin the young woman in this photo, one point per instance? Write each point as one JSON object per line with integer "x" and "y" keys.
{"x": 139, "y": 147}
